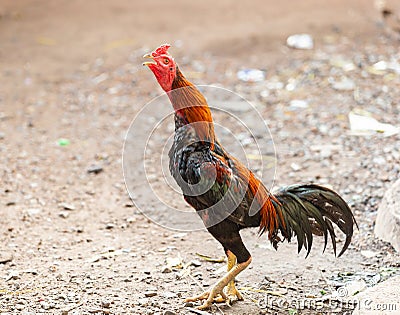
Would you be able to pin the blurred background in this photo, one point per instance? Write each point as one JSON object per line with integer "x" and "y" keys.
{"x": 49, "y": 38}
{"x": 71, "y": 82}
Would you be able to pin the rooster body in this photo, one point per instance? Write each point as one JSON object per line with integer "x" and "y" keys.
{"x": 228, "y": 197}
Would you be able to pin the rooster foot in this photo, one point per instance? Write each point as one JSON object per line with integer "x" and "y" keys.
{"x": 232, "y": 294}
{"x": 217, "y": 295}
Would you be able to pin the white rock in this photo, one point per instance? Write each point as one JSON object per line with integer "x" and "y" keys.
{"x": 300, "y": 41}
{"x": 380, "y": 299}
{"x": 387, "y": 226}
{"x": 345, "y": 84}
{"x": 251, "y": 75}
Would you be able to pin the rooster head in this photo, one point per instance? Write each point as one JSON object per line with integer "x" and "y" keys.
{"x": 163, "y": 66}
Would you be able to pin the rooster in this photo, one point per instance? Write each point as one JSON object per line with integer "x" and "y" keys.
{"x": 227, "y": 196}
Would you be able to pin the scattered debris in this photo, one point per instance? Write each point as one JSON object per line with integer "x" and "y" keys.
{"x": 150, "y": 293}
{"x": 295, "y": 167}
{"x": 63, "y": 214}
{"x": 300, "y": 41}
{"x": 62, "y": 142}
{"x": 174, "y": 262}
{"x": 251, "y": 75}
{"x": 195, "y": 263}
{"x": 67, "y": 206}
{"x": 346, "y": 65}
{"x": 100, "y": 78}
{"x": 345, "y": 84}
{"x": 95, "y": 169}
{"x": 5, "y": 257}
{"x": 210, "y": 259}
{"x": 362, "y": 123}
{"x": 298, "y": 104}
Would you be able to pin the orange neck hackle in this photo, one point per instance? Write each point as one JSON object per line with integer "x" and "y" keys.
{"x": 190, "y": 104}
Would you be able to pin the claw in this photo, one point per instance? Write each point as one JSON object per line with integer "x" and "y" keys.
{"x": 216, "y": 294}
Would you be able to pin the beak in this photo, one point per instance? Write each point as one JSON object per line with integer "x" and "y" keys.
{"x": 148, "y": 63}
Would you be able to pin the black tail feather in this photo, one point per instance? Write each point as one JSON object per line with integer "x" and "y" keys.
{"x": 311, "y": 209}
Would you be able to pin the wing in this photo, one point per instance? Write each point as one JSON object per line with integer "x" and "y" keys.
{"x": 215, "y": 191}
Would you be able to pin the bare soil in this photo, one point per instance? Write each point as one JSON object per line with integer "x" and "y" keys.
{"x": 72, "y": 242}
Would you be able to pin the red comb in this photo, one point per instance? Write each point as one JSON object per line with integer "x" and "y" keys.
{"x": 163, "y": 49}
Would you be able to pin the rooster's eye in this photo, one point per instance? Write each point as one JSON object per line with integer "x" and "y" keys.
{"x": 166, "y": 61}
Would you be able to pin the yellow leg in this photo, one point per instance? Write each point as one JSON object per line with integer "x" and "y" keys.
{"x": 231, "y": 291}
{"x": 216, "y": 294}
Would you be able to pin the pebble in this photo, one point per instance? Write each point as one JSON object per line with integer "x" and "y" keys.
{"x": 150, "y": 293}
{"x": 188, "y": 304}
{"x": 110, "y": 226}
{"x": 166, "y": 269}
{"x": 19, "y": 306}
{"x": 33, "y": 211}
{"x": 67, "y": 206}
{"x": 345, "y": 84}
{"x": 298, "y": 104}
{"x": 5, "y": 257}
{"x": 63, "y": 214}
{"x": 251, "y": 75}
{"x": 300, "y": 41}
{"x": 170, "y": 313}
{"x": 195, "y": 263}
{"x": 94, "y": 169}
{"x": 295, "y": 167}
{"x": 169, "y": 295}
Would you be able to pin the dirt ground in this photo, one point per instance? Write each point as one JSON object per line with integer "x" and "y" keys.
{"x": 71, "y": 82}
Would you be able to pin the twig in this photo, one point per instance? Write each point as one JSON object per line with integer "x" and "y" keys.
{"x": 210, "y": 259}
{"x": 196, "y": 311}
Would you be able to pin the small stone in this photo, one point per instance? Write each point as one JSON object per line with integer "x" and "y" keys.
{"x": 150, "y": 293}
{"x": 63, "y": 214}
{"x": 19, "y": 306}
{"x": 345, "y": 84}
{"x": 379, "y": 160}
{"x": 110, "y": 226}
{"x": 169, "y": 295}
{"x": 169, "y": 313}
{"x": 45, "y": 305}
{"x": 94, "y": 169}
{"x": 368, "y": 253}
{"x": 14, "y": 275}
{"x": 131, "y": 220}
{"x": 295, "y": 167}
{"x": 105, "y": 304}
{"x": 166, "y": 269}
{"x": 5, "y": 257}
{"x": 300, "y": 41}
{"x": 298, "y": 104}
{"x": 195, "y": 263}
{"x": 67, "y": 206}
{"x": 188, "y": 304}
{"x": 251, "y": 75}
{"x": 33, "y": 211}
